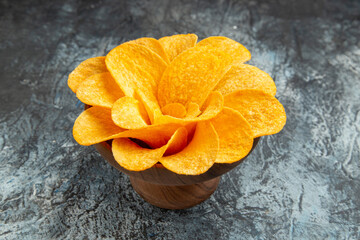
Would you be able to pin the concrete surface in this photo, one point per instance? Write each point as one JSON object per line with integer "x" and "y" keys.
{"x": 303, "y": 183}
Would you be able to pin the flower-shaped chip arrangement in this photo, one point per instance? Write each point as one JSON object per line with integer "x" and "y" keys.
{"x": 191, "y": 104}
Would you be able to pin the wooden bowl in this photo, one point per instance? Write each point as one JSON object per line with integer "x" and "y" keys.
{"x": 166, "y": 189}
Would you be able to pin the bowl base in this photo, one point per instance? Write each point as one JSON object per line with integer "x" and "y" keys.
{"x": 175, "y": 197}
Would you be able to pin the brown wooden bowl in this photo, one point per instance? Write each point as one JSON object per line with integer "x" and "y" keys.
{"x": 163, "y": 188}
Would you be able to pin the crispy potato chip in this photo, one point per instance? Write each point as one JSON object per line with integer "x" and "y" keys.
{"x": 193, "y": 110}
{"x": 190, "y": 127}
{"x": 244, "y": 76}
{"x": 132, "y": 157}
{"x": 135, "y": 158}
{"x": 212, "y": 107}
{"x": 176, "y": 44}
{"x": 153, "y": 45}
{"x": 94, "y": 125}
{"x": 129, "y": 113}
{"x": 237, "y": 51}
{"x": 137, "y": 70}
{"x": 235, "y": 136}
{"x": 135, "y": 67}
{"x": 176, "y": 110}
{"x": 198, "y": 156}
{"x": 177, "y": 142}
{"x": 264, "y": 112}
{"x": 154, "y": 136}
{"x": 85, "y": 69}
{"x": 192, "y": 76}
{"x": 99, "y": 90}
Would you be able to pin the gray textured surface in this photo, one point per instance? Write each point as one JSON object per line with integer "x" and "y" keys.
{"x": 303, "y": 183}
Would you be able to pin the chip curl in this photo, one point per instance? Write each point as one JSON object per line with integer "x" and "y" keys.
{"x": 236, "y": 50}
{"x": 85, "y": 69}
{"x": 198, "y": 156}
{"x": 263, "y": 111}
{"x": 154, "y": 45}
{"x": 192, "y": 76}
{"x": 235, "y": 136}
{"x": 176, "y": 44}
{"x": 244, "y": 76}
{"x": 133, "y": 157}
{"x": 99, "y": 90}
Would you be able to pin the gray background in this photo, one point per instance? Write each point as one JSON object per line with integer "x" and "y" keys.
{"x": 302, "y": 183}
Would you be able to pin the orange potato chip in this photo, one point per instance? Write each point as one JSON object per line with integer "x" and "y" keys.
{"x": 192, "y": 76}
{"x": 94, "y": 125}
{"x": 176, "y": 110}
{"x": 190, "y": 127}
{"x": 135, "y": 158}
{"x": 153, "y": 45}
{"x": 135, "y": 67}
{"x": 235, "y": 136}
{"x": 237, "y": 51}
{"x": 198, "y": 156}
{"x": 99, "y": 90}
{"x": 176, "y": 44}
{"x": 132, "y": 157}
{"x": 129, "y": 113}
{"x": 85, "y": 69}
{"x": 264, "y": 112}
{"x": 244, "y": 76}
{"x": 193, "y": 110}
{"x": 137, "y": 70}
{"x": 154, "y": 136}
{"x": 213, "y": 106}
{"x": 177, "y": 142}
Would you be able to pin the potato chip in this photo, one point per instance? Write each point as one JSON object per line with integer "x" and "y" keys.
{"x": 153, "y": 45}
{"x": 176, "y": 110}
{"x": 264, "y": 112}
{"x": 154, "y": 136}
{"x": 132, "y": 157}
{"x": 190, "y": 127}
{"x": 94, "y": 125}
{"x": 137, "y": 71}
{"x": 135, "y": 158}
{"x": 99, "y": 90}
{"x": 237, "y": 51}
{"x": 244, "y": 76}
{"x": 177, "y": 142}
{"x": 176, "y": 44}
{"x": 135, "y": 67}
{"x": 129, "y": 113}
{"x": 213, "y": 106}
{"x": 199, "y": 155}
{"x": 192, "y": 76}
{"x": 235, "y": 136}
{"x": 193, "y": 110}
{"x": 85, "y": 69}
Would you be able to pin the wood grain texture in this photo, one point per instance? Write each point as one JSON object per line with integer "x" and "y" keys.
{"x": 175, "y": 197}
